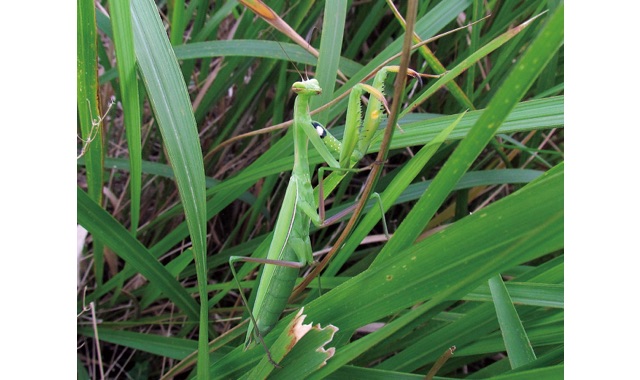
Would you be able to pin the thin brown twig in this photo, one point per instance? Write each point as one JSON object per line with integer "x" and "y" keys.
{"x": 440, "y": 362}
{"x": 94, "y": 324}
{"x": 272, "y": 128}
{"x": 400, "y": 83}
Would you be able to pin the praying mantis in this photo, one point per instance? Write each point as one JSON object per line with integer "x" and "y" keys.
{"x": 290, "y": 248}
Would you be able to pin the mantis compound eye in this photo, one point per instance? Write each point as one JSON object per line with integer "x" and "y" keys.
{"x": 319, "y": 128}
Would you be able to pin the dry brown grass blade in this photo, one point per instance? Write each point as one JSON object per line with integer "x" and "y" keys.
{"x": 440, "y": 362}
{"x": 273, "y": 19}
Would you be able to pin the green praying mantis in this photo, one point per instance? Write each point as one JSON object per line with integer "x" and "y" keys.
{"x": 290, "y": 248}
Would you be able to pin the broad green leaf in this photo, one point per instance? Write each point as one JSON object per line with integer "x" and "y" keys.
{"x": 126, "y": 64}
{"x": 173, "y": 111}
{"x": 330, "y": 48}
{"x": 89, "y": 114}
{"x": 521, "y": 78}
{"x": 448, "y": 264}
{"x": 257, "y": 48}
{"x": 515, "y": 337}
{"x": 88, "y": 106}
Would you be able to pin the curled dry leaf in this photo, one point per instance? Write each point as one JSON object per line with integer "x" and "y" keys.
{"x": 297, "y": 330}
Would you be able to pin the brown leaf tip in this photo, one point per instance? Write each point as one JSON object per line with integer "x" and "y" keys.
{"x": 298, "y": 330}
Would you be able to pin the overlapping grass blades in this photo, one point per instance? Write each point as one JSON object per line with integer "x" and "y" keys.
{"x": 398, "y": 305}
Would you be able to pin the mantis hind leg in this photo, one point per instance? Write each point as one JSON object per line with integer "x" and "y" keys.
{"x": 257, "y": 334}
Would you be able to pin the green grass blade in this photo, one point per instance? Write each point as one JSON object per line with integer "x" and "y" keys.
{"x": 88, "y": 107}
{"x": 518, "y": 346}
{"x": 330, "y": 49}
{"x": 438, "y": 68}
{"x": 554, "y": 372}
{"x": 171, "y": 347}
{"x": 175, "y": 268}
{"x": 353, "y": 350}
{"x": 348, "y": 372}
{"x": 474, "y": 330}
{"x": 178, "y": 22}
{"x": 514, "y": 88}
{"x": 540, "y": 335}
{"x": 544, "y": 295}
{"x": 473, "y": 46}
{"x": 440, "y": 248}
{"x": 465, "y": 64}
{"x": 545, "y": 338}
{"x": 526, "y": 116}
{"x": 552, "y": 357}
{"x": 396, "y": 315}
{"x": 366, "y": 26}
{"x": 516, "y": 229}
{"x": 172, "y": 107}
{"x": 391, "y": 193}
{"x": 469, "y": 180}
{"x": 426, "y": 27}
{"x": 89, "y": 114}
{"x": 103, "y": 226}
{"x": 123, "y": 40}
{"x": 299, "y": 350}
{"x": 257, "y": 48}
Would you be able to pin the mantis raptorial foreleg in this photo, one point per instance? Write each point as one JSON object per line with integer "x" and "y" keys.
{"x": 358, "y": 132}
{"x": 290, "y": 248}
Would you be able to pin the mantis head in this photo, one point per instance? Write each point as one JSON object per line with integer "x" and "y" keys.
{"x": 307, "y": 87}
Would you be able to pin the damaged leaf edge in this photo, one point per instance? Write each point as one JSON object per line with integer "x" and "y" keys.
{"x": 298, "y": 329}
{"x": 329, "y": 352}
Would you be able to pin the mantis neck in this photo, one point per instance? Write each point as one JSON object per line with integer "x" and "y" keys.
{"x": 301, "y": 120}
